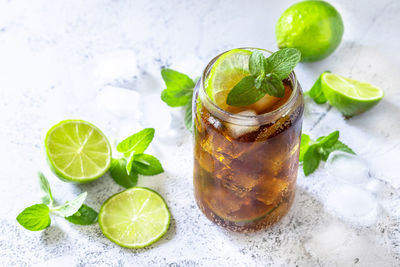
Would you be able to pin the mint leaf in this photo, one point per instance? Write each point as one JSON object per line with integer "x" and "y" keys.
{"x": 176, "y": 80}
{"x": 316, "y": 92}
{"x": 329, "y": 140}
{"x": 311, "y": 159}
{"x": 337, "y": 146}
{"x": 46, "y": 197}
{"x": 70, "y": 207}
{"x": 179, "y": 88}
{"x": 273, "y": 85}
{"x": 176, "y": 99}
{"x": 119, "y": 173}
{"x": 304, "y": 144}
{"x": 319, "y": 150}
{"x": 244, "y": 93}
{"x": 35, "y": 218}
{"x": 276, "y": 67}
{"x": 259, "y": 81}
{"x": 84, "y": 216}
{"x": 179, "y": 92}
{"x": 188, "y": 116}
{"x": 282, "y": 62}
{"x": 129, "y": 164}
{"x": 342, "y": 147}
{"x": 256, "y": 63}
{"x": 146, "y": 164}
{"x": 137, "y": 142}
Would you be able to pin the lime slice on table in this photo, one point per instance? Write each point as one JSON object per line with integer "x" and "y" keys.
{"x": 349, "y": 96}
{"x": 77, "y": 151}
{"x": 134, "y": 218}
{"x": 229, "y": 69}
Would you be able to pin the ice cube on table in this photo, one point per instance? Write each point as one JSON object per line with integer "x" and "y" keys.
{"x": 125, "y": 129}
{"x": 348, "y": 168}
{"x": 128, "y": 128}
{"x": 121, "y": 102}
{"x": 190, "y": 64}
{"x": 327, "y": 240}
{"x": 336, "y": 244}
{"x": 115, "y": 65}
{"x": 236, "y": 131}
{"x": 156, "y": 114}
{"x": 353, "y": 204}
{"x": 375, "y": 186}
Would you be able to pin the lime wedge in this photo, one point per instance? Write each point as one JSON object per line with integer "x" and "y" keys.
{"x": 77, "y": 151}
{"x": 226, "y": 72}
{"x": 134, "y": 218}
{"x": 350, "y": 97}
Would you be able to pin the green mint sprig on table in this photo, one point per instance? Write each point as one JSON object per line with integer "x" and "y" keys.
{"x": 120, "y": 175}
{"x": 316, "y": 92}
{"x": 312, "y": 152}
{"x": 179, "y": 92}
{"x": 84, "y": 216}
{"x": 266, "y": 75}
{"x": 37, "y": 217}
{"x": 125, "y": 170}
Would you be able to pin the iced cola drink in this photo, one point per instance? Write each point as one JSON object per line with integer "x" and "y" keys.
{"x": 246, "y": 158}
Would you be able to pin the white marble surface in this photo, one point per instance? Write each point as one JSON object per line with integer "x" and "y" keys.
{"x": 57, "y": 59}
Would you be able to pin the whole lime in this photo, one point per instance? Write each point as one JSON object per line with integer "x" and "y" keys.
{"x": 314, "y": 27}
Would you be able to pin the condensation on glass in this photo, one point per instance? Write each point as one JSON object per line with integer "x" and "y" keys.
{"x": 245, "y": 167}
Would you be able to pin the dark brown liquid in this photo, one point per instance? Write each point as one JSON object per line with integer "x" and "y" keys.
{"x": 248, "y": 182}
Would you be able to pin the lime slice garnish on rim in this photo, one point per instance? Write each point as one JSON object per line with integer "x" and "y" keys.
{"x": 349, "y": 96}
{"x": 226, "y": 72}
{"x": 134, "y": 218}
{"x": 77, "y": 151}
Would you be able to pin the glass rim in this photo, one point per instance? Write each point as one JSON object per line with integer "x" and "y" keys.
{"x": 241, "y": 117}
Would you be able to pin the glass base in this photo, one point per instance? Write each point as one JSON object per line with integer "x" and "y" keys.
{"x": 272, "y": 217}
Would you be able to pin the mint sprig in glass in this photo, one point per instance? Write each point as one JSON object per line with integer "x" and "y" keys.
{"x": 266, "y": 75}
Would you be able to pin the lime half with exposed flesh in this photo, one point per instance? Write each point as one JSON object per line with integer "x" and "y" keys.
{"x": 349, "y": 96}
{"x": 77, "y": 151}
